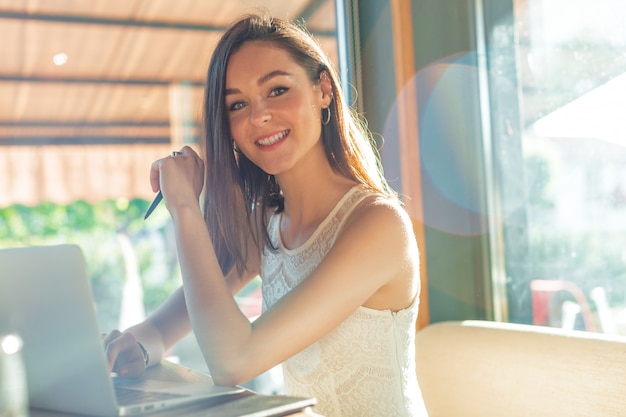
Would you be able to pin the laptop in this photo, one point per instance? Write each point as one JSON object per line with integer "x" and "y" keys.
{"x": 46, "y": 298}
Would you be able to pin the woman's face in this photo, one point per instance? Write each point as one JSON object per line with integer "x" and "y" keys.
{"x": 274, "y": 109}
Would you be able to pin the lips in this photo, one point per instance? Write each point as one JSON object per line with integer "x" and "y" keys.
{"x": 270, "y": 140}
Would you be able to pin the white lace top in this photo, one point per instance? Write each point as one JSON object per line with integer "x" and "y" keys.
{"x": 365, "y": 366}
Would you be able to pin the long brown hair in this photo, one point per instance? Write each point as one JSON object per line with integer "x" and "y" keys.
{"x": 235, "y": 187}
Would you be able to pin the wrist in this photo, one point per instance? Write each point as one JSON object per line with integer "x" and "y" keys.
{"x": 182, "y": 210}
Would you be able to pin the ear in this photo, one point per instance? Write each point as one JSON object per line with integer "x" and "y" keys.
{"x": 326, "y": 88}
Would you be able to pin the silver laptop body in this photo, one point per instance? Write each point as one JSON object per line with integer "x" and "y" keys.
{"x": 46, "y": 298}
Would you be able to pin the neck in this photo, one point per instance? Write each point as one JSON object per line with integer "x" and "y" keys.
{"x": 313, "y": 196}
{"x": 310, "y": 193}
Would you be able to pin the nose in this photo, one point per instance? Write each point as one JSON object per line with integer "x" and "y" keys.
{"x": 259, "y": 113}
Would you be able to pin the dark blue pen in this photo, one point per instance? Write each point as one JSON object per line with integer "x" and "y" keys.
{"x": 155, "y": 203}
{"x": 159, "y": 196}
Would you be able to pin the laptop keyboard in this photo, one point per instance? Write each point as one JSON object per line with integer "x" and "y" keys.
{"x": 127, "y": 396}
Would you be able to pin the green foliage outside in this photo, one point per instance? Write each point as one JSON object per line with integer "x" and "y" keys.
{"x": 587, "y": 255}
{"x": 586, "y": 258}
{"x": 95, "y": 228}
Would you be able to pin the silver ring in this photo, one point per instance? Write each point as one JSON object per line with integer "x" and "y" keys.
{"x": 174, "y": 153}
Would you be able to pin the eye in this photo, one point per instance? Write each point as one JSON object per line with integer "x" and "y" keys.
{"x": 278, "y": 91}
{"x": 237, "y": 105}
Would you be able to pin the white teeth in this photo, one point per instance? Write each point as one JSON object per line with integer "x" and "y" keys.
{"x": 272, "y": 139}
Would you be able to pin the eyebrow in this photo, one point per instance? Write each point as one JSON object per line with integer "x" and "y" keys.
{"x": 263, "y": 79}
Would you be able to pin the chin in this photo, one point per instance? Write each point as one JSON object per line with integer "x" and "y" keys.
{"x": 275, "y": 169}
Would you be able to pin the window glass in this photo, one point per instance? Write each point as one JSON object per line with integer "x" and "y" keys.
{"x": 571, "y": 63}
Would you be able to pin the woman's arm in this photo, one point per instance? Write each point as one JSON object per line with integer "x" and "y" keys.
{"x": 170, "y": 322}
{"x": 157, "y": 333}
{"x": 373, "y": 263}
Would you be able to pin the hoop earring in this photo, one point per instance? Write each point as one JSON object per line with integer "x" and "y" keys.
{"x": 326, "y": 119}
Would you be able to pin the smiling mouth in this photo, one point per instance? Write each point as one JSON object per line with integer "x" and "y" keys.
{"x": 272, "y": 139}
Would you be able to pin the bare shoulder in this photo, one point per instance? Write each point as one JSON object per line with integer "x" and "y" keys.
{"x": 381, "y": 232}
{"x": 384, "y": 218}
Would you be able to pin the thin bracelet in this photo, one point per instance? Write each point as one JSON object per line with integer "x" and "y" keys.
{"x": 146, "y": 355}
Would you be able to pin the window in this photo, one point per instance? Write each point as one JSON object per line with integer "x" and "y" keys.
{"x": 562, "y": 178}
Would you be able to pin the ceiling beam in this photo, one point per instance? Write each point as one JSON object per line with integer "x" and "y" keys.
{"x": 151, "y": 24}
{"x": 93, "y": 80}
{"x": 81, "y": 140}
{"x": 82, "y": 124}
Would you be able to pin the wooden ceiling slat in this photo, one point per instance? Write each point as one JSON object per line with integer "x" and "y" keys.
{"x": 220, "y": 12}
{"x": 11, "y": 46}
{"x": 63, "y": 174}
{"x": 123, "y": 57}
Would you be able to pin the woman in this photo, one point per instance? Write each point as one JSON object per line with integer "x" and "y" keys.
{"x": 293, "y": 193}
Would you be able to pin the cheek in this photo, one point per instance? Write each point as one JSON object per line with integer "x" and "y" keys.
{"x": 305, "y": 112}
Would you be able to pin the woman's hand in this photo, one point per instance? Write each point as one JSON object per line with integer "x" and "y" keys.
{"x": 124, "y": 354}
{"x": 179, "y": 177}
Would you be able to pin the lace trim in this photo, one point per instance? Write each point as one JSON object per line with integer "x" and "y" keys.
{"x": 283, "y": 269}
{"x": 340, "y": 212}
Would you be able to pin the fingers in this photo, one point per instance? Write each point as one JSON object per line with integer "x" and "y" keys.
{"x": 123, "y": 354}
{"x": 182, "y": 168}
{"x": 111, "y": 350}
{"x": 111, "y": 336}
{"x": 155, "y": 169}
{"x": 133, "y": 368}
{"x": 187, "y": 150}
